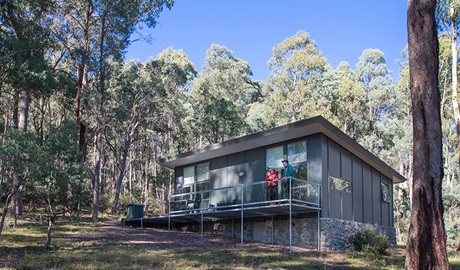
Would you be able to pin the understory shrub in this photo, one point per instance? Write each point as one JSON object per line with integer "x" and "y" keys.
{"x": 368, "y": 240}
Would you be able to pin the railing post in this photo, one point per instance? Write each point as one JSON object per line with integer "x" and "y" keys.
{"x": 290, "y": 215}
{"x": 169, "y": 213}
{"x": 242, "y": 212}
{"x": 201, "y": 210}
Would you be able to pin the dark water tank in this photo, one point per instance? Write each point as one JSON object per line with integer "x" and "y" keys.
{"x": 135, "y": 210}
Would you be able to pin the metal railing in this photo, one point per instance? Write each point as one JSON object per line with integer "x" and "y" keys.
{"x": 255, "y": 194}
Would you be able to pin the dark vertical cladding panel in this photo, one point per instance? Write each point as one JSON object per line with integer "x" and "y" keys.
{"x": 346, "y": 171}
{"x": 336, "y": 201}
{"x": 324, "y": 178}
{"x": 334, "y": 170}
{"x": 377, "y": 200}
{"x": 386, "y": 206}
{"x": 255, "y": 172}
{"x": 315, "y": 159}
{"x": 218, "y": 174}
{"x": 218, "y": 178}
{"x": 347, "y": 209}
{"x": 236, "y": 164}
{"x": 391, "y": 204}
{"x": 346, "y": 174}
{"x": 367, "y": 193}
{"x": 334, "y": 159}
{"x": 255, "y": 162}
{"x": 357, "y": 187}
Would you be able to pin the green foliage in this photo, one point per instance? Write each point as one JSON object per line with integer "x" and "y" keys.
{"x": 49, "y": 169}
{"x": 297, "y": 68}
{"x": 367, "y": 240}
{"x": 221, "y": 96}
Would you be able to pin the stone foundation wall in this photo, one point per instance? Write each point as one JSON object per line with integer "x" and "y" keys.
{"x": 334, "y": 233}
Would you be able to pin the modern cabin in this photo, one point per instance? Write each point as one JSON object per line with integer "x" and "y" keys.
{"x": 338, "y": 187}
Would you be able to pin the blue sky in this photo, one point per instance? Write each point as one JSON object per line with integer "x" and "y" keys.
{"x": 342, "y": 29}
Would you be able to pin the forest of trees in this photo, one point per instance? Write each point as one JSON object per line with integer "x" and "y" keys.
{"x": 83, "y": 128}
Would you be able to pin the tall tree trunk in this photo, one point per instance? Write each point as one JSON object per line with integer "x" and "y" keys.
{"x": 51, "y": 219}
{"x": 426, "y": 242}
{"x": 82, "y": 71}
{"x": 97, "y": 173}
{"x": 122, "y": 174}
{"x": 456, "y": 110}
{"x": 48, "y": 232}
{"x": 23, "y": 110}
{"x": 23, "y": 116}
{"x": 5, "y": 211}
{"x": 97, "y": 177}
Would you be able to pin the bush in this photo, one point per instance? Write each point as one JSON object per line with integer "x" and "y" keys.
{"x": 368, "y": 240}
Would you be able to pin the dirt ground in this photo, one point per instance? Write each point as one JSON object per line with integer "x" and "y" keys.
{"x": 111, "y": 231}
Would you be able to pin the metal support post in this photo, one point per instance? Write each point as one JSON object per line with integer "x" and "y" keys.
{"x": 169, "y": 213}
{"x": 290, "y": 216}
{"x": 242, "y": 213}
{"x": 319, "y": 233}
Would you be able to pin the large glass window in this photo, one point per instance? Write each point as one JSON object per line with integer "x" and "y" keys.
{"x": 202, "y": 178}
{"x": 300, "y": 171}
{"x": 189, "y": 175}
{"x": 202, "y": 172}
{"x": 274, "y": 156}
{"x": 297, "y": 152}
{"x": 297, "y": 156}
{"x": 194, "y": 182}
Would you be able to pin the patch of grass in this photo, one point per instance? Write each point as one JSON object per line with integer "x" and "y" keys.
{"x": 454, "y": 260}
{"x": 21, "y": 248}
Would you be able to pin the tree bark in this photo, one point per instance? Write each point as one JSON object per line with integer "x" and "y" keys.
{"x": 97, "y": 178}
{"x": 48, "y": 233}
{"x": 82, "y": 71}
{"x": 426, "y": 242}
{"x": 121, "y": 174}
{"x": 5, "y": 211}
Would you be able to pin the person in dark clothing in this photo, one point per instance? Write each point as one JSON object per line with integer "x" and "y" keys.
{"x": 287, "y": 175}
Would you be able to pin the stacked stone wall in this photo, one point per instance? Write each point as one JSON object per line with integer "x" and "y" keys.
{"x": 334, "y": 233}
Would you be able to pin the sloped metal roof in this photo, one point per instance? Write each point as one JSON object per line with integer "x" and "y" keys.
{"x": 279, "y": 134}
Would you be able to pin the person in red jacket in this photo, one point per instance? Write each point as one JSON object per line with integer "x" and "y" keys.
{"x": 272, "y": 186}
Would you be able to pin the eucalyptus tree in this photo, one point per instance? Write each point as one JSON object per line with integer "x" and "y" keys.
{"x": 450, "y": 141}
{"x": 144, "y": 101}
{"x": 426, "y": 243}
{"x": 222, "y": 93}
{"x": 175, "y": 73}
{"x": 24, "y": 71}
{"x": 344, "y": 96}
{"x": 297, "y": 68}
{"x": 127, "y": 99}
{"x": 372, "y": 73}
{"x": 91, "y": 30}
{"x": 447, "y": 15}
{"x": 169, "y": 132}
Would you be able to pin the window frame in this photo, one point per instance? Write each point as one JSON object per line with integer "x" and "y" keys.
{"x": 197, "y": 185}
